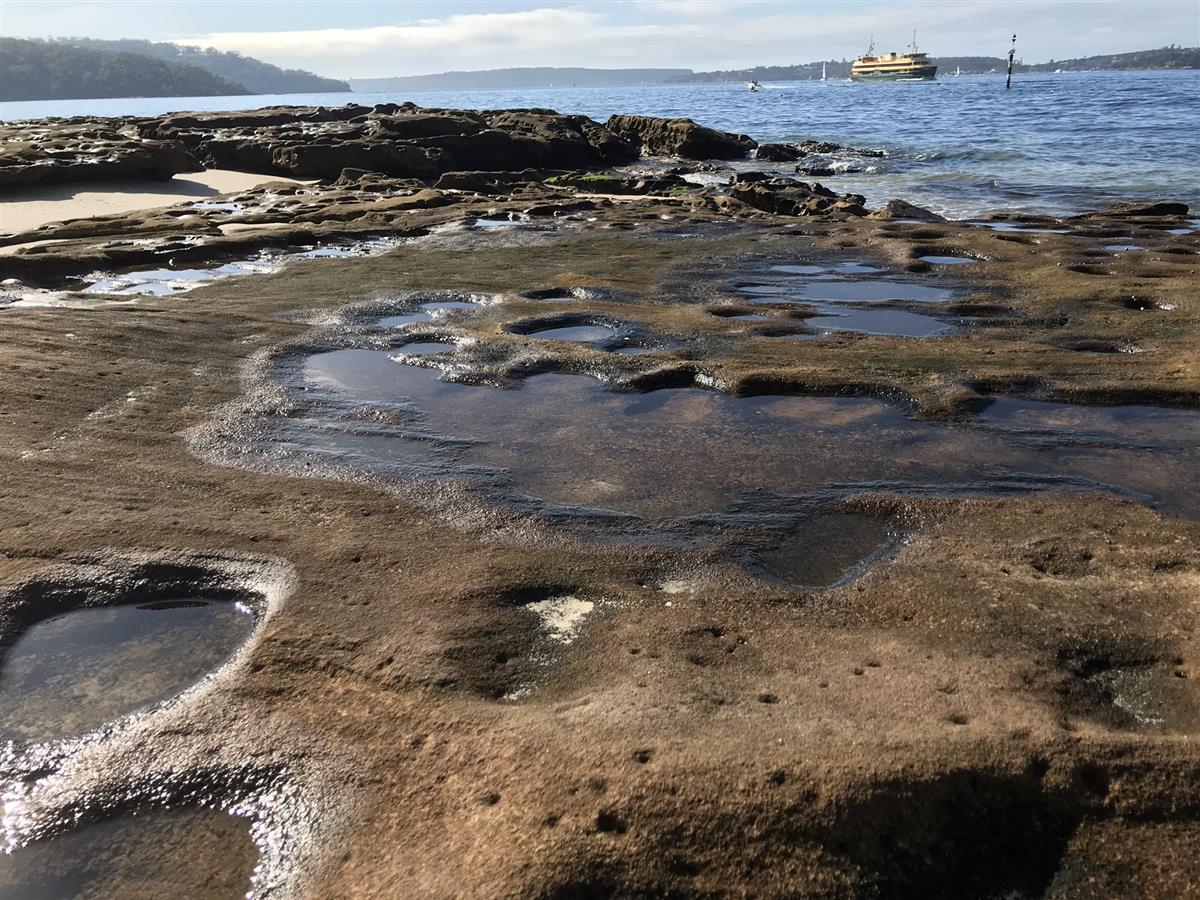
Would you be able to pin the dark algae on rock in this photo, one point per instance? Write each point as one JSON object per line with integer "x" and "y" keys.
{"x": 566, "y": 524}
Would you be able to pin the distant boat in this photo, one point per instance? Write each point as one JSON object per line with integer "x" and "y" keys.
{"x": 957, "y": 71}
{"x": 823, "y": 78}
{"x": 911, "y": 66}
{"x": 753, "y": 86}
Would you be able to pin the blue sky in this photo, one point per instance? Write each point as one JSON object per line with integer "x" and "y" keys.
{"x": 365, "y": 38}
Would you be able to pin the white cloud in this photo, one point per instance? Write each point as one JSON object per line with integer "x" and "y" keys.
{"x": 697, "y": 7}
{"x": 615, "y": 35}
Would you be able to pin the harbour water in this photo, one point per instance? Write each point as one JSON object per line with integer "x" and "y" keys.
{"x": 963, "y": 146}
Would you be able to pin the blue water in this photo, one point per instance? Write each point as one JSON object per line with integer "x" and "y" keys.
{"x": 963, "y": 146}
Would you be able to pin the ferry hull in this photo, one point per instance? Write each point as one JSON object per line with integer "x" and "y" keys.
{"x": 923, "y": 73}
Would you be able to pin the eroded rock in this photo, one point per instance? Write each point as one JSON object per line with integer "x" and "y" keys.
{"x": 902, "y": 209}
{"x": 53, "y": 153}
{"x": 1149, "y": 208}
{"x": 785, "y": 196}
{"x": 680, "y": 137}
{"x": 778, "y": 153}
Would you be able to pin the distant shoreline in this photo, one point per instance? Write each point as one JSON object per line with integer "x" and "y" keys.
{"x": 16, "y": 110}
{"x": 59, "y": 74}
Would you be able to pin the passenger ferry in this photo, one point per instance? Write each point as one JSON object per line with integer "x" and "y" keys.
{"x": 911, "y": 66}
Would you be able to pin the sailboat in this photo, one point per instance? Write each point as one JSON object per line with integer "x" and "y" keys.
{"x": 823, "y": 78}
{"x": 957, "y": 71}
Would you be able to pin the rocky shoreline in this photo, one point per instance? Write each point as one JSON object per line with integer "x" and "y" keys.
{"x": 562, "y": 617}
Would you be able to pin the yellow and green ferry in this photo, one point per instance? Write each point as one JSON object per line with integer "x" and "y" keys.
{"x": 911, "y": 66}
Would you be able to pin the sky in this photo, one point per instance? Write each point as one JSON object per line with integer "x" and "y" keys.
{"x": 376, "y": 38}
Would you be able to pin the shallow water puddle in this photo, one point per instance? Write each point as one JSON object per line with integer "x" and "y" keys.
{"x": 859, "y": 290}
{"x": 842, "y": 268}
{"x": 876, "y": 321}
{"x": 577, "y": 333}
{"x": 838, "y": 300}
{"x": 67, "y": 675}
{"x": 424, "y": 348}
{"x": 160, "y": 853}
{"x": 364, "y": 247}
{"x": 825, "y": 548}
{"x": 495, "y": 223}
{"x": 426, "y": 312}
{"x": 766, "y": 290}
{"x": 166, "y": 281}
{"x": 677, "y": 452}
{"x": 227, "y": 206}
{"x": 162, "y": 282}
{"x": 1018, "y": 227}
{"x": 947, "y": 260}
{"x": 800, "y": 270}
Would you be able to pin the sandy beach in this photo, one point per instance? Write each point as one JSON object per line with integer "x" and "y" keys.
{"x": 29, "y": 208}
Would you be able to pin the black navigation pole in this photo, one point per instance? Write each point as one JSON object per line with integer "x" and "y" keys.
{"x": 1011, "y": 53}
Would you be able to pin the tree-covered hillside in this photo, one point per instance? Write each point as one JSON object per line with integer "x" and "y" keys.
{"x": 1166, "y": 58}
{"x": 258, "y": 76}
{"x": 39, "y": 70}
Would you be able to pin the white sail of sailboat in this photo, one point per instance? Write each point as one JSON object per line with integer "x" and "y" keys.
{"x": 823, "y": 72}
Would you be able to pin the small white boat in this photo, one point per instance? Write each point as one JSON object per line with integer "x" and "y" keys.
{"x": 823, "y": 78}
{"x": 753, "y": 86}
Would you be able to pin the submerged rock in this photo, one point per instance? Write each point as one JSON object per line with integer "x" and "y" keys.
{"x": 790, "y": 152}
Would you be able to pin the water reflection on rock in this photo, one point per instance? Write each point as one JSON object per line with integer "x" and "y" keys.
{"x": 71, "y": 673}
{"x": 181, "y": 853}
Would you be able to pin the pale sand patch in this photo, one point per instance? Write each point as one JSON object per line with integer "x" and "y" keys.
{"x": 236, "y": 227}
{"x": 13, "y": 248}
{"x": 22, "y": 210}
{"x": 562, "y": 616}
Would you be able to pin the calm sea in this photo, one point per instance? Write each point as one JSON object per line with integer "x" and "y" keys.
{"x": 963, "y": 146}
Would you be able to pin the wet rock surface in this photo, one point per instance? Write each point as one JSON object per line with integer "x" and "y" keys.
{"x": 563, "y": 620}
{"x": 791, "y": 152}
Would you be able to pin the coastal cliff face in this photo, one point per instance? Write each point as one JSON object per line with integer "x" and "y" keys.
{"x": 602, "y": 526}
